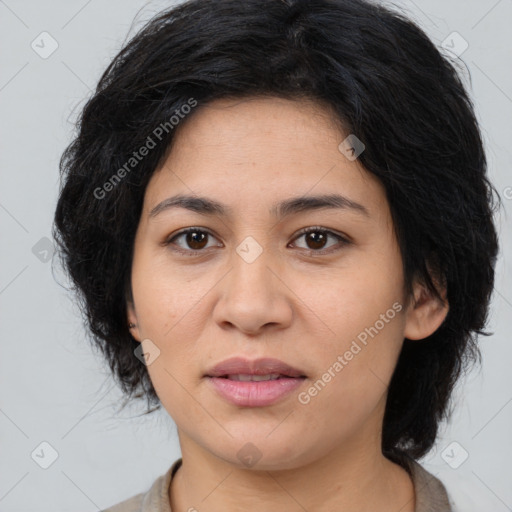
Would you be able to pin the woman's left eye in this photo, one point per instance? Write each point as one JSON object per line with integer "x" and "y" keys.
{"x": 197, "y": 239}
{"x": 317, "y": 237}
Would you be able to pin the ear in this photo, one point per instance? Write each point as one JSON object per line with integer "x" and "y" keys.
{"x": 132, "y": 319}
{"x": 425, "y": 312}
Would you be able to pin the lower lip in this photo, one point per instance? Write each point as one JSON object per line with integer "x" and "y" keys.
{"x": 255, "y": 393}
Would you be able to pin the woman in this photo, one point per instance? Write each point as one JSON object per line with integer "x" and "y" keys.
{"x": 278, "y": 218}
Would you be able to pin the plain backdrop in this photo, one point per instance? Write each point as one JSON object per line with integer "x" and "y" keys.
{"x": 54, "y": 389}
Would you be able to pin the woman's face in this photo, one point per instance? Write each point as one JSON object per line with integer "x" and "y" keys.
{"x": 248, "y": 284}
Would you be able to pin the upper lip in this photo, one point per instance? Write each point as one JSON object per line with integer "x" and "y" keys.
{"x": 262, "y": 366}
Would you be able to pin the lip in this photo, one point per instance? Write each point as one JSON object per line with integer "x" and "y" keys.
{"x": 254, "y": 393}
{"x": 262, "y": 366}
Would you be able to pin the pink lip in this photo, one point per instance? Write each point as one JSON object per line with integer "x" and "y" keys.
{"x": 254, "y": 394}
{"x": 262, "y": 366}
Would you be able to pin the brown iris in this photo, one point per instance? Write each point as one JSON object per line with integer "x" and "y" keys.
{"x": 317, "y": 238}
{"x": 197, "y": 239}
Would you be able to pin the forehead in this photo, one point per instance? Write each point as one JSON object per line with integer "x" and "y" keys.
{"x": 247, "y": 121}
{"x": 243, "y": 151}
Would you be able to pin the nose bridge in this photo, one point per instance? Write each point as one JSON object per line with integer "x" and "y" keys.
{"x": 250, "y": 274}
{"x": 252, "y": 296}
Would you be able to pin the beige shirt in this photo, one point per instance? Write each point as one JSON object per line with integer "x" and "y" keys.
{"x": 431, "y": 495}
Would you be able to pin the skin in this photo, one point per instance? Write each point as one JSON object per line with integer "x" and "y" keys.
{"x": 302, "y": 308}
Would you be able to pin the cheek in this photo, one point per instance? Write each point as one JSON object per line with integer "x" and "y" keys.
{"x": 350, "y": 386}
{"x": 168, "y": 311}
{"x": 361, "y": 314}
{"x": 165, "y": 298}
{"x": 345, "y": 301}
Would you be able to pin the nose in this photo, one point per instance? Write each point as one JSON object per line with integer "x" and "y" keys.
{"x": 254, "y": 297}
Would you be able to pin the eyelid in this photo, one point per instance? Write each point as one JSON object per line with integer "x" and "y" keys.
{"x": 336, "y": 234}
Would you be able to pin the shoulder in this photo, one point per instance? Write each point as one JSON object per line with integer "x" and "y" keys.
{"x": 132, "y": 504}
{"x": 156, "y": 499}
{"x": 431, "y": 494}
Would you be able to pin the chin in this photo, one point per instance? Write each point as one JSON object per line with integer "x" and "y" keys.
{"x": 260, "y": 453}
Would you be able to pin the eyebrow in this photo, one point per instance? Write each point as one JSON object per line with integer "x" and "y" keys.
{"x": 294, "y": 205}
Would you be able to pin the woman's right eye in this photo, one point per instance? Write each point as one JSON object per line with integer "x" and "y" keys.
{"x": 195, "y": 238}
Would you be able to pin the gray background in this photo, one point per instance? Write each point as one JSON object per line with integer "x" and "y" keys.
{"x": 55, "y": 389}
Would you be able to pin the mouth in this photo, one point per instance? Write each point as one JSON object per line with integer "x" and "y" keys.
{"x": 256, "y": 383}
{"x": 238, "y": 368}
{"x": 247, "y": 377}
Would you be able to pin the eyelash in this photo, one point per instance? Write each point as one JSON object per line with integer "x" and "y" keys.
{"x": 314, "y": 229}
